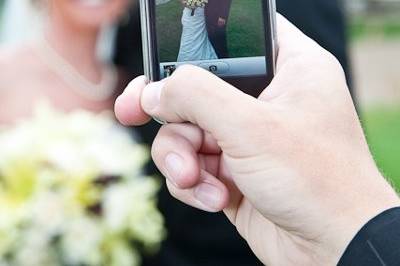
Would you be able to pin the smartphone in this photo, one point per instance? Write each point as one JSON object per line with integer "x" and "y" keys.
{"x": 233, "y": 39}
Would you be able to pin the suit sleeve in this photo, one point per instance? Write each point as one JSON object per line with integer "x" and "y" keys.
{"x": 225, "y": 8}
{"x": 377, "y": 243}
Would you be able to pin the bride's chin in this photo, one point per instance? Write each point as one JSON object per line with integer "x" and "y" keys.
{"x": 92, "y": 3}
{"x": 92, "y": 13}
{"x": 93, "y": 7}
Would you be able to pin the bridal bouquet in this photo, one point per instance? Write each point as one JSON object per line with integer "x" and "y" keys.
{"x": 193, "y": 4}
{"x": 72, "y": 193}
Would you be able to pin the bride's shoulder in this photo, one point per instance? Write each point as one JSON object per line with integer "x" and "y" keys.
{"x": 15, "y": 55}
{"x": 8, "y": 60}
{"x": 10, "y": 57}
{"x": 15, "y": 62}
{"x": 7, "y": 53}
{"x": 17, "y": 72}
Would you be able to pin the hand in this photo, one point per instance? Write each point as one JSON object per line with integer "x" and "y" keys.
{"x": 291, "y": 170}
{"x": 221, "y": 22}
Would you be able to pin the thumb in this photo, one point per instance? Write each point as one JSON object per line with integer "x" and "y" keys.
{"x": 194, "y": 95}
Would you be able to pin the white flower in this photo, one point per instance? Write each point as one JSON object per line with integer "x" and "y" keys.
{"x": 55, "y": 210}
{"x": 34, "y": 249}
{"x": 126, "y": 209}
{"x": 8, "y": 233}
{"x": 122, "y": 255}
{"x": 116, "y": 207}
{"x": 48, "y": 213}
{"x": 114, "y": 151}
{"x": 81, "y": 242}
{"x": 193, "y": 4}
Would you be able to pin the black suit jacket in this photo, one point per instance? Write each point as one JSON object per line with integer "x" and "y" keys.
{"x": 216, "y": 9}
{"x": 196, "y": 238}
{"x": 217, "y": 35}
{"x": 377, "y": 243}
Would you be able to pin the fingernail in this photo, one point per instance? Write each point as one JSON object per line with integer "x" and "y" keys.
{"x": 152, "y": 95}
{"x": 174, "y": 166}
{"x": 209, "y": 195}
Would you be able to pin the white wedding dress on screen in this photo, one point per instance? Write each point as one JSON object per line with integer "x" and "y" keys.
{"x": 195, "y": 44}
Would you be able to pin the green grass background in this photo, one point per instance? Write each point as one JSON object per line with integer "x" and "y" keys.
{"x": 382, "y": 127}
{"x": 245, "y": 29}
{"x": 382, "y": 26}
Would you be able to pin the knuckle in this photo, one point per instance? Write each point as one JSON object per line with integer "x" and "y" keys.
{"x": 185, "y": 69}
{"x": 161, "y": 141}
{"x": 333, "y": 72}
{"x": 190, "y": 73}
{"x": 185, "y": 81}
{"x": 184, "y": 73}
{"x": 178, "y": 81}
{"x": 163, "y": 132}
{"x": 329, "y": 64}
{"x": 320, "y": 63}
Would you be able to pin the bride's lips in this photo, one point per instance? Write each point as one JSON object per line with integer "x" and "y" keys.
{"x": 92, "y": 3}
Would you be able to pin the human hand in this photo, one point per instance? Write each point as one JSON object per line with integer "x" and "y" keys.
{"x": 221, "y": 22}
{"x": 291, "y": 169}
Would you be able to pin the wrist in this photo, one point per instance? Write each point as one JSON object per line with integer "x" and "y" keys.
{"x": 377, "y": 241}
{"x": 373, "y": 199}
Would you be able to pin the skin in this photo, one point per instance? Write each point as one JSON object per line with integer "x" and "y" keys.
{"x": 291, "y": 169}
{"x": 221, "y": 22}
{"x": 69, "y": 22}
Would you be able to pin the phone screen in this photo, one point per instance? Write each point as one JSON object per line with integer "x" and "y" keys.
{"x": 230, "y": 38}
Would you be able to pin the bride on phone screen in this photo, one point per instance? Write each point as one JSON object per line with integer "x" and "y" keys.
{"x": 195, "y": 44}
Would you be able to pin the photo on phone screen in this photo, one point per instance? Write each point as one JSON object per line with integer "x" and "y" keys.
{"x": 226, "y": 37}
{"x": 233, "y": 39}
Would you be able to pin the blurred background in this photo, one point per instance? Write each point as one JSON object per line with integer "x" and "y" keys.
{"x": 374, "y": 35}
{"x": 372, "y": 39}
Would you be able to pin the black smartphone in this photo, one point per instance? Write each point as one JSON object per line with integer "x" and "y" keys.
{"x": 233, "y": 39}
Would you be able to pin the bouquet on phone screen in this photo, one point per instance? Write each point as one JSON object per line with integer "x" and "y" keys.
{"x": 193, "y": 4}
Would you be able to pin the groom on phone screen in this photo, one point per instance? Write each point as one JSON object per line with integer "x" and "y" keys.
{"x": 217, "y": 14}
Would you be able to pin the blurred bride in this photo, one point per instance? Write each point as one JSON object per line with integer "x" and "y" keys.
{"x": 62, "y": 65}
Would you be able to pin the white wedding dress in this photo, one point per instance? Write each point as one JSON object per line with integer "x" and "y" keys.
{"x": 195, "y": 44}
{"x": 21, "y": 22}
